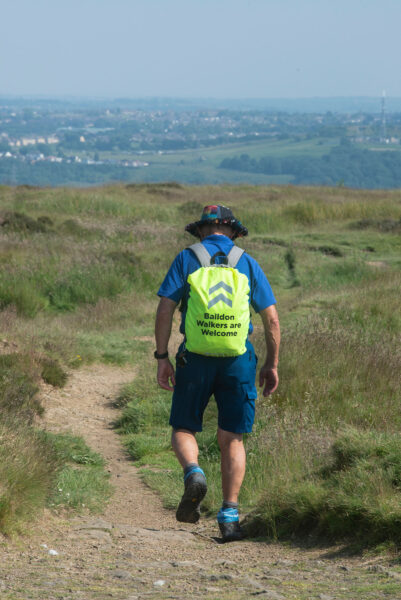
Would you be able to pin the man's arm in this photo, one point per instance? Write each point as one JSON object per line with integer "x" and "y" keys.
{"x": 164, "y": 319}
{"x": 268, "y": 376}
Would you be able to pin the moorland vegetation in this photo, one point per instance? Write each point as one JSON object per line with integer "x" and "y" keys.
{"x": 79, "y": 275}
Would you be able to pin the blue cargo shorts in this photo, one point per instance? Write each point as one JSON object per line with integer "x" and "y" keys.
{"x": 230, "y": 379}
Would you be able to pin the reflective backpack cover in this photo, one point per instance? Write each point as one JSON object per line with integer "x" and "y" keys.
{"x": 217, "y": 319}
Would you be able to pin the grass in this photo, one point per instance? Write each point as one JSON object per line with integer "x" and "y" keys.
{"x": 82, "y": 481}
{"x": 80, "y": 288}
{"x": 27, "y": 464}
{"x": 354, "y": 494}
{"x": 27, "y": 474}
{"x": 38, "y": 468}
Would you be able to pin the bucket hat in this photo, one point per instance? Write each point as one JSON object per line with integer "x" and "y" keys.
{"x": 221, "y": 215}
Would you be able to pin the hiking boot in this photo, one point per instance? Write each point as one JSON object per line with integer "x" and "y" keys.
{"x": 228, "y": 521}
{"x": 188, "y": 510}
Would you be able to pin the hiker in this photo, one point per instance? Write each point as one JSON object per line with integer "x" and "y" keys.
{"x": 215, "y": 281}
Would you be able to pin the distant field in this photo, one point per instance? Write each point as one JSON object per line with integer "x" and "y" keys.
{"x": 201, "y": 165}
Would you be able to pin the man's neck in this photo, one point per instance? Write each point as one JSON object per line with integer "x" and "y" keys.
{"x": 215, "y": 233}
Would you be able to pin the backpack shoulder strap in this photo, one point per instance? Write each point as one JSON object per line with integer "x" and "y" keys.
{"x": 201, "y": 254}
{"x": 234, "y": 255}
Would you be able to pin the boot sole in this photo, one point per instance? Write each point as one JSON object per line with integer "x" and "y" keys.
{"x": 188, "y": 510}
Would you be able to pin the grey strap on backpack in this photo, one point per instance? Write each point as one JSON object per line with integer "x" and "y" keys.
{"x": 234, "y": 255}
{"x": 201, "y": 254}
{"x": 204, "y": 257}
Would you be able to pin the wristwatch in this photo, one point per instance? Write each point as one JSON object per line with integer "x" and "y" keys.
{"x": 164, "y": 355}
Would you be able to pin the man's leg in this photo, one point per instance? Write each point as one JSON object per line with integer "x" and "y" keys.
{"x": 185, "y": 446}
{"x": 193, "y": 388}
{"x": 233, "y": 461}
{"x": 235, "y": 394}
{"x": 186, "y": 449}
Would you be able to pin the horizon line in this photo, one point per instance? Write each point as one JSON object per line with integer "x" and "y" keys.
{"x": 173, "y": 97}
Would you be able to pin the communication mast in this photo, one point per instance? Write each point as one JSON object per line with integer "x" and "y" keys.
{"x": 383, "y": 117}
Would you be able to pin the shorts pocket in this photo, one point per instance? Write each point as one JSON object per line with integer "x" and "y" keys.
{"x": 250, "y": 392}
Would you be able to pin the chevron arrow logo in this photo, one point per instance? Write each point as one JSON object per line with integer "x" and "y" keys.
{"x": 220, "y": 297}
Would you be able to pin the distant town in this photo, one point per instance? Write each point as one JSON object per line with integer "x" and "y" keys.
{"x": 61, "y": 144}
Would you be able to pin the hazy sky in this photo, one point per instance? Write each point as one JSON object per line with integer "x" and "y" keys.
{"x": 201, "y": 48}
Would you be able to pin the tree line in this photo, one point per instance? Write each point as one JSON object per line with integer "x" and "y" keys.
{"x": 345, "y": 164}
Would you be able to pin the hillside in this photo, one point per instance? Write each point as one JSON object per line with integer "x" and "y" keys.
{"x": 80, "y": 270}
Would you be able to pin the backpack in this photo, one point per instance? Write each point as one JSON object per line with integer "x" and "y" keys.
{"x": 217, "y": 319}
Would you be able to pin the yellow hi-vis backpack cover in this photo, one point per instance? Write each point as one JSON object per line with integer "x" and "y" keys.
{"x": 217, "y": 319}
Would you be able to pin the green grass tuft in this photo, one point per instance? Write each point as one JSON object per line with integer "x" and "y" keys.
{"x": 132, "y": 420}
{"x": 79, "y": 489}
{"x": 53, "y": 373}
{"x": 82, "y": 481}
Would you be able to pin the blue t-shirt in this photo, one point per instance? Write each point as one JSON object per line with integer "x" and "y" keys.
{"x": 176, "y": 287}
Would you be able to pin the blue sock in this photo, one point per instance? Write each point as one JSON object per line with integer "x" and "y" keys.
{"x": 227, "y": 515}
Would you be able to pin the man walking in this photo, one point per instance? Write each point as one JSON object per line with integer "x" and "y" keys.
{"x": 215, "y": 281}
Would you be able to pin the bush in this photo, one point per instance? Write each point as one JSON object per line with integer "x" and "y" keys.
{"x": 24, "y": 295}
{"x": 18, "y": 388}
{"x": 45, "y": 220}
{"x": 52, "y": 373}
{"x": 16, "y": 221}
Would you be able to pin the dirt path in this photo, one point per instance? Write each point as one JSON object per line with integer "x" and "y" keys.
{"x": 136, "y": 549}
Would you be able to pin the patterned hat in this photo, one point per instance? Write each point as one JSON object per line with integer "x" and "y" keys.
{"x": 221, "y": 215}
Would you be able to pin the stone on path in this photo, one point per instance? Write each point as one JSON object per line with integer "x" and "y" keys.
{"x": 157, "y": 536}
{"x": 121, "y": 574}
{"x": 94, "y": 524}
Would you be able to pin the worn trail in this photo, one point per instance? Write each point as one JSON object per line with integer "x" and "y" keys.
{"x": 136, "y": 549}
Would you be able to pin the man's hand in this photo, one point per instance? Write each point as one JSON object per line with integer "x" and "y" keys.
{"x": 164, "y": 319}
{"x": 165, "y": 374}
{"x": 268, "y": 377}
